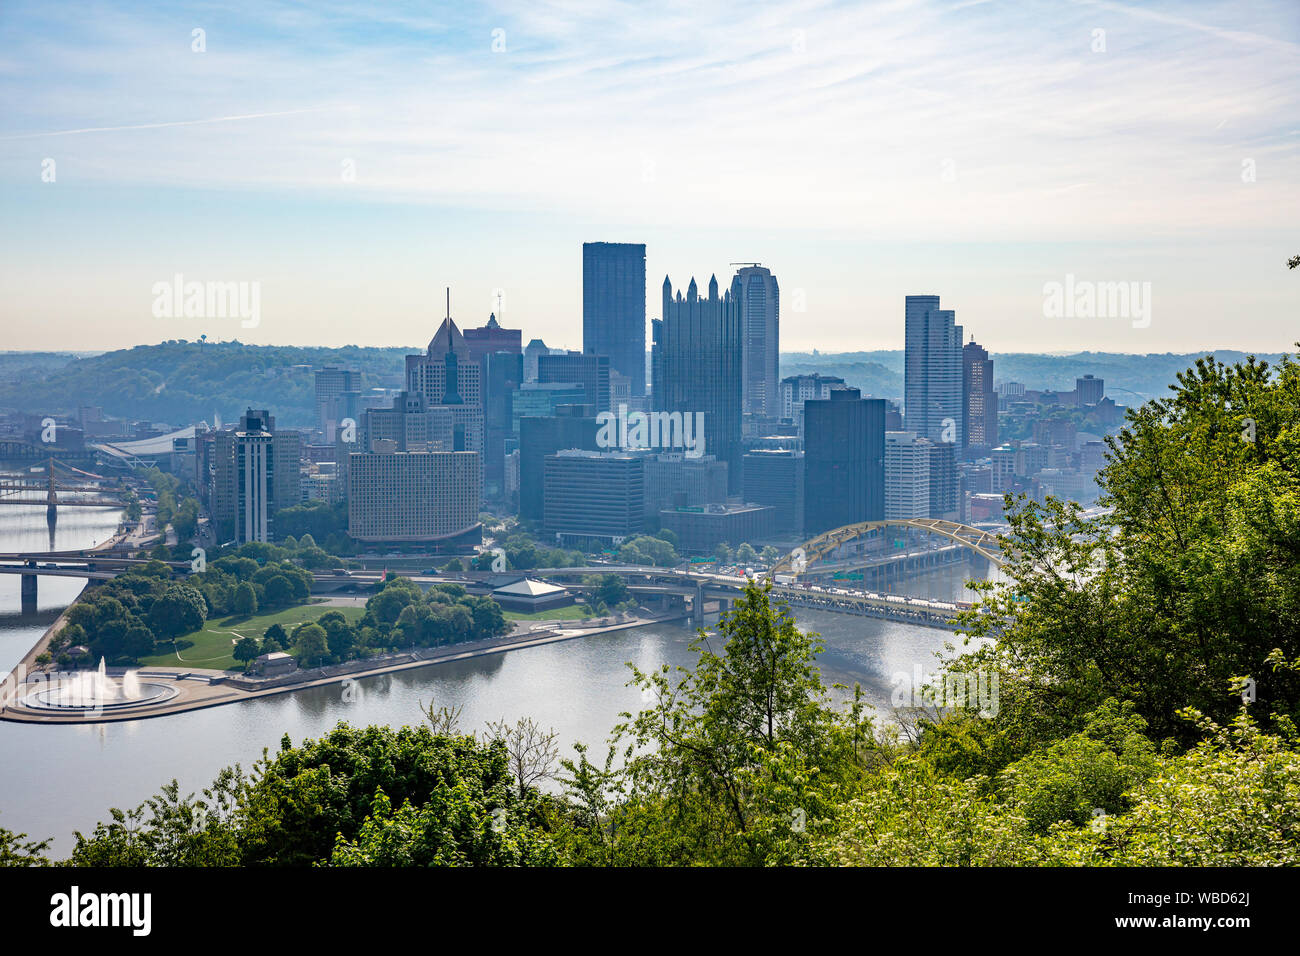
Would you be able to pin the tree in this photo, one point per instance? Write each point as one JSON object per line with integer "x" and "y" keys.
{"x": 723, "y": 553}
{"x": 745, "y": 554}
{"x": 278, "y": 591}
{"x": 246, "y": 648}
{"x": 245, "y": 599}
{"x": 311, "y": 645}
{"x": 274, "y": 639}
{"x": 452, "y": 566}
{"x": 178, "y": 610}
{"x": 770, "y": 555}
{"x": 17, "y": 850}
{"x": 611, "y": 590}
{"x": 531, "y": 751}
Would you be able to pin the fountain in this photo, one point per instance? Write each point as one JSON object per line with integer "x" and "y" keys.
{"x": 96, "y": 691}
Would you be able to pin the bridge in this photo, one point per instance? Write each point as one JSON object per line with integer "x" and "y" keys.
{"x": 984, "y": 543}
{"x": 19, "y": 491}
{"x": 90, "y": 565}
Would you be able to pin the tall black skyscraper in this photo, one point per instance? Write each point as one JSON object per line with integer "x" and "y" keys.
{"x": 844, "y": 460}
{"x": 613, "y": 307}
{"x": 697, "y": 368}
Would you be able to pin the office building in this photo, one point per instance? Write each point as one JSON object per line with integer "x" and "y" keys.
{"x": 613, "y": 307}
{"x": 907, "y": 475}
{"x": 932, "y": 371}
{"x": 754, "y": 288}
{"x": 673, "y": 480}
{"x": 427, "y": 497}
{"x": 255, "y": 472}
{"x": 338, "y": 396}
{"x": 589, "y": 371}
{"x": 700, "y": 530}
{"x": 572, "y": 426}
{"x": 774, "y": 477}
{"x": 979, "y": 401}
{"x": 492, "y": 338}
{"x": 594, "y": 496}
{"x": 1089, "y": 390}
{"x": 844, "y": 450}
{"x": 445, "y": 374}
{"x": 697, "y": 367}
{"x": 797, "y": 389}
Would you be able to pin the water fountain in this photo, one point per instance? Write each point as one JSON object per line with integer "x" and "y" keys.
{"x": 96, "y": 691}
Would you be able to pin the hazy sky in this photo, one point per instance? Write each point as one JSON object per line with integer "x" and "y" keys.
{"x": 355, "y": 158}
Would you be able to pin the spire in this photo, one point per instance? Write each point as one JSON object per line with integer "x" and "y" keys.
{"x": 692, "y": 291}
{"x": 492, "y": 321}
{"x": 713, "y": 286}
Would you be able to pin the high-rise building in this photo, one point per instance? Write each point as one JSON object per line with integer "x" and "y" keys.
{"x": 572, "y": 426}
{"x": 672, "y": 480}
{"x": 774, "y": 477}
{"x": 503, "y": 375}
{"x": 594, "y": 495}
{"x": 338, "y": 396}
{"x": 844, "y": 460}
{"x": 907, "y": 475}
{"x": 1089, "y": 390}
{"x": 613, "y": 307}
{"x": 944, "y": 502}
{"x": 698, "y": 367}
{"x": 590, "y": 371}
{"x": 255, "y": 473}
{"x": 797, "y": 389}
{"x": 492, "y": 338}
{"x": 979, "y": 401}
{"x": 932, "y": 371}
{"x": 532, "y": 352}
{"x": 445, "y": 373}
{"x": 755, "y": 289}
{"x": 430, "y": 497}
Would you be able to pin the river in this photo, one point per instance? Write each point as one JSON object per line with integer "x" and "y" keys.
{"x": 57, "y": 779}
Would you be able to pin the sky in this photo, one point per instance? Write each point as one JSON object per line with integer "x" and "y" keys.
{"x": 349, "y": 161}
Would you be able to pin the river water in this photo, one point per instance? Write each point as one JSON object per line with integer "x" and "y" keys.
{"x": 57, "y": 779}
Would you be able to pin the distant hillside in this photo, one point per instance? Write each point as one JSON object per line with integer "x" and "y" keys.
{"x": 181, "y": 382}
{"x": 881, "y": 373}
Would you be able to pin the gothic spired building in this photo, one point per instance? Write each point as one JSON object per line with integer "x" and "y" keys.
{"x": 696, "y": 364}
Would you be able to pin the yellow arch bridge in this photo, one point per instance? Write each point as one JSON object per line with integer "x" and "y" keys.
{"x": 983, "y": 543}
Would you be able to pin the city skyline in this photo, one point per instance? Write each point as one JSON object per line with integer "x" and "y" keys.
{"x": 899, "y": 152}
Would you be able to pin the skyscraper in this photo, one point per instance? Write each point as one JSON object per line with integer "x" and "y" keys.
{"x": 255, "y": 473}
{"x": 697, "y": 367}
{"x": 754, "y": 288}
{"x": 338, "y": 396}
{"x": 613, "y": 307}
{"x": 589, "y": 371}
{"x": 932, "y": 371}
{"x": 844, "y": 460}
{"x": 1089, "y": 390}
{"x": 979, "y": 402}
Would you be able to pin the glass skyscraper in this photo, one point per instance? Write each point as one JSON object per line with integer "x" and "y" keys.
{"x": 613, "y": 307}
{"x": 932, "y": 371}
{"x": 697, "y": 367}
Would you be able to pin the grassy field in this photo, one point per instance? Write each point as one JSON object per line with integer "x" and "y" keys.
{"x": 570, "y": 613}
{"x": 214, "y": 642}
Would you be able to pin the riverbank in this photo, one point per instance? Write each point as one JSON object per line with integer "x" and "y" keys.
{"x": 198, "y": 689}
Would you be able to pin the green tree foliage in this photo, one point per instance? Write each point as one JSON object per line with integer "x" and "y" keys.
{"x": 245, "y": 600}
{"x": 178, "y": 610}
{"x": 311, "y": 645}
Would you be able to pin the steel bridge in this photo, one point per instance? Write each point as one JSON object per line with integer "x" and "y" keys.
{"x": 983, "y": 543}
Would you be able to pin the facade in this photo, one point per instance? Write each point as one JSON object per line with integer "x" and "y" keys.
{"x": 338, "y": 396}
{"x": 755, "y": 289}
{"x": 774, "y": 477}
{"x": 414, "y": 496}
{"x": 613, "y": 307}
{"x": 1089, "y": 390}
{"x": 532, "y": 351}
{"x": 445, "y": 374}
{"x": 592, "y": 495}
{"x": 538, "y": 400}
{"x": 797, "y": 389}
{"x": 700, "y": 530}
{"x": 492, "y": 338}
{"x": 254, "y": 473}
{"x": 672, "y": 480}
{"x": 572, "y": 426}
{"x": 944, "y": 501}
{"x": 844, "y": 461}
{"x": 503, "y": 374}
{"x": 979, "y": 401}
{"x": 697, "y": 362}
{"x": 932, "y": 371}
{"x": 590, "y": 371}
{"x": 907, "y": 475}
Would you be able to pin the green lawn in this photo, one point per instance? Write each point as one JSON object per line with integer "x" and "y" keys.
{"x": 570, "y": 613}
{"x": 215, "y": 641}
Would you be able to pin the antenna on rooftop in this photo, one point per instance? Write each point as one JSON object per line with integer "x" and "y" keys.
{"x": 449, "y": 302}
